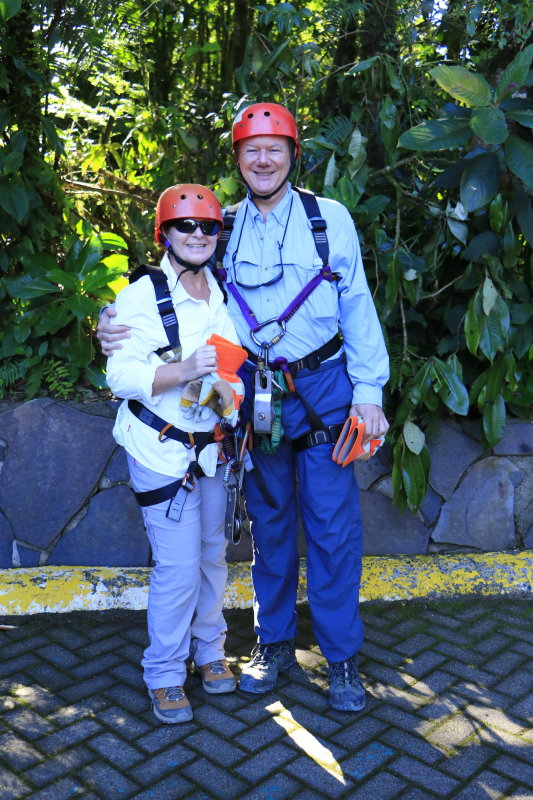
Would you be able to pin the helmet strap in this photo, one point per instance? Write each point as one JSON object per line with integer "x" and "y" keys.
{"x": 195, "y": 268}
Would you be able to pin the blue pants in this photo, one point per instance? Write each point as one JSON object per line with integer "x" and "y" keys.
{"x": 328, "y": 498}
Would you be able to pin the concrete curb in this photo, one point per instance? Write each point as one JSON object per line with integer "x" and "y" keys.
{"x": 62, "y": 589}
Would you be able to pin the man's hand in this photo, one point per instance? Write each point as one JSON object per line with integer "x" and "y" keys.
{"x": 375, "y": 420}
{"x": 109, "y": 334}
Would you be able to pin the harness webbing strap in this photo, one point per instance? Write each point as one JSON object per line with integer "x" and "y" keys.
{"x": 165, "y": 306}
{"x": 325, "y": 435}
{"x": 196, "y": 439}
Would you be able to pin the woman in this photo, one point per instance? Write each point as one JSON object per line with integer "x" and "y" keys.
{"x": 167, "y": 425}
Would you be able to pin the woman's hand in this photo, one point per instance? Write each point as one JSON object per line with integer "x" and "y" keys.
{"x": 202, "y": 361}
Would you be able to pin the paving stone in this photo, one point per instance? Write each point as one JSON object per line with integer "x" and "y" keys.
{"x": 31, "y": 725}
{"x": 116, "y": 750}
{"x": 216, "y": 748}
{"x": 494, "y": 718}
{"x": 218, "y": 721}
{"x": 170, "y": 788}
{"x": 69, "y": 736}
{"x": 517, "y": 684}
{"x": 128, "y": 698}
{"x": 87, "y": 688}
{"x": 504, "y": 663}
{"x": 59, "y": 765}
{"x": 414, "y": 644}
{"x": 62, "y": 790}
{"x": 487, "y": 785}
{"x": 467, "y": 760}
{"x": 493, "y": 644}
{"x": 480, "y": 694}
{"x": 515, "y": 769}
{"x": 428, "y": 777}
{"x": 169, "y": 761}
{"x": 380, "y": 787}
{"x": 270, "y": 759}
{"x": 26, "y": 645}
{"x": 58, "y": 656}
{"x": 214, "y": 780}
{"x": 17, "y": 753}
{"x": 107, "y": 781}
{"x": 50, "y": 677}
{"x": 309, "y": 772}
{"x": 455, "y": 730}
{"x": 95, "y": 666}
{"x": 403, "y": 719}
{"x": 165, "y": 735}
{"x": 404, "y": 743}
{"x": 39, "y": 698}
{"x": 259, "y": 736}
{"x": 128, "y": 726}
{"x": 14, "y": 666}
{"x": 278, "y": 787}
{"x": 422, "y": 664}
{"x": 12, "y": 788}
{"x": 359, "y": 733}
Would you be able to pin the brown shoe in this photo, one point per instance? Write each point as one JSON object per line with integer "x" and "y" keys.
{"x": 171, "y": 705}
{"x": 217, "y": 678}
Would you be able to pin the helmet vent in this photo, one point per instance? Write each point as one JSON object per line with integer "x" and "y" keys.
{"x": 250, "y": 116}
{"x": 267, "y": 113}
{"x": 200, "y": 196}
{"x": 183, "y": 196}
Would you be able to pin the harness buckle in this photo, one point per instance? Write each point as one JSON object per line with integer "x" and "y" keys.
{"x": 313, "y": 361}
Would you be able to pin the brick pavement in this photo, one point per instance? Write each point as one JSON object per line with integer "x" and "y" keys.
{"x": 449, "y": 713}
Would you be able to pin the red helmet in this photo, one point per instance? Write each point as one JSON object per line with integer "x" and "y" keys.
{"x": 268, "y": 119}
{"x": 186, "y": 200}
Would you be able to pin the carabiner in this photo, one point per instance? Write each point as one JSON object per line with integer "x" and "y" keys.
{"x": 273, "y": 341}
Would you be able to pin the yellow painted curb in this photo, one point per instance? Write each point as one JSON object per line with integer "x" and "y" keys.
{"x": 61, "y": 589}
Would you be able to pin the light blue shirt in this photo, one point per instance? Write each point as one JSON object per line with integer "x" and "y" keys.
{"x": 259, "y": 250}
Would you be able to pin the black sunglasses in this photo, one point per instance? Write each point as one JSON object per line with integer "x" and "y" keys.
{"x": 208, "y": 226}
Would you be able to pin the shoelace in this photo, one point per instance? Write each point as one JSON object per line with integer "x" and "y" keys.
{"x": 344, "y": 670}
{"x": 216, "y": 668}
{"x": 174, "y": 693}
{"x": 261, "y": 653}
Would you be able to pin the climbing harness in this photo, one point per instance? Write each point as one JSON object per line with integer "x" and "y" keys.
{"x": 239, "y": 463}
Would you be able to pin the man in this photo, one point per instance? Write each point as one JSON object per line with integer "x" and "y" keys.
{"x": 271, "y": 258}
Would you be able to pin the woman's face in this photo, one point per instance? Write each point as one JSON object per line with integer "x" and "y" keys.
{"x": 195, "y": 247}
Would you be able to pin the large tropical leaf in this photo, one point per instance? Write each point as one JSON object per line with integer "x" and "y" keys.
{"x": 523, "y": 212}
{"x": 450, "y": 387}
{"x": 494, "y": 419}
{"x": 519, "y": 158}
{"x": 480, "y": 181}
{"x": 515, "y": 74}
{"x": 488, "y": 123}
{"x": 463, "y": 85}
{"x": 436, "y": 134}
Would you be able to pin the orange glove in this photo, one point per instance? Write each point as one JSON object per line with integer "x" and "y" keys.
{"x": 350, "y": 447}
{"x": 230, "y": 357}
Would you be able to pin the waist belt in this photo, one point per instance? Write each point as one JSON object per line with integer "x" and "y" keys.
{"x": 167, "y": 431}
{"x": 326, "y": 435}
{"x": 311, "y": 361}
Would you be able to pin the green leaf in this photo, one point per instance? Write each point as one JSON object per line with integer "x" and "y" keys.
{"x": 79, "y": 342}
{"x": 12, "y": 162}
{"x": 523, "y": 212}
{"x": 489, "y": 295}
{"x": 8, "y": 8}
{"x": 81, "y": 306}
{"x": 52, "y": 318}
{"x": 514, "y": 75}
{"x": 362, "y": 65}
{"x": 14, "y": 198}
{"x": 451, "y": 389}
{"x": 463, "y": 85}
{"x": 496, "y": 377}
{"x": 415, "y": 476}
{"x": 524, "y": 117}
{"x": 356, "y": 144}
{"x": 27, "y": 287}
{"x": 413, "y": 437}
{"x": 51, "y": 134}
{"x": 495, "y": 329}
{"x": 488, "y": 123}
{"x": 331, "y": 172}
{"x": 480, "y": 181}
{"x": 519, "y": 158}
{"x": 484, "y": 243}
{"x": 494, "y": 419}
{"x": 458, "y": 229}
{"x": 63, "y": 279}
{"x": 110, "y": 241}
{"x": 436, "y": 134}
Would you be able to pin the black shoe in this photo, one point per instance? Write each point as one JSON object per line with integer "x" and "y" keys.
{"x": 267, "y": 660}
{"x": 346, "y": 692}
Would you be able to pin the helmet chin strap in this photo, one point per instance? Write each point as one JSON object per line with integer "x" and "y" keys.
{"x": 195, "y": 268}
{"x": 252, "y": 194}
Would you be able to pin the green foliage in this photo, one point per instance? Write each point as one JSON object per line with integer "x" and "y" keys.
{"x": 416, "y": 116}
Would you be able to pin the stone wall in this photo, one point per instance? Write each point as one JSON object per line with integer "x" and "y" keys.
{"x": 65, "y": 500}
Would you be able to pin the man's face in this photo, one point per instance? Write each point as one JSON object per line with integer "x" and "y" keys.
{"x": 264, "y": 162}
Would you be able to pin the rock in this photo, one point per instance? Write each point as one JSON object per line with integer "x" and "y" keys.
{"x": 430, "y": 507}
{"x": 451, "y": 452}
{"x": 117, "y": 469}
{"x": 6, "y": 543}
{"x": 28, "y": 557}
{"x": 55, "y": 456}
{"x": 517, "y": 439}
{"x": 523, "y": 498}
{"x": 111, "y": 534}
{"x": 368, "y": 472}
{"x": 480, "y": 513}
{"x": 389, "y": 531}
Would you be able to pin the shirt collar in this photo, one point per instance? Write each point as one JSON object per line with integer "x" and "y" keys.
{"x": 178, "y": 292}
{"x": 280, "y": 211}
